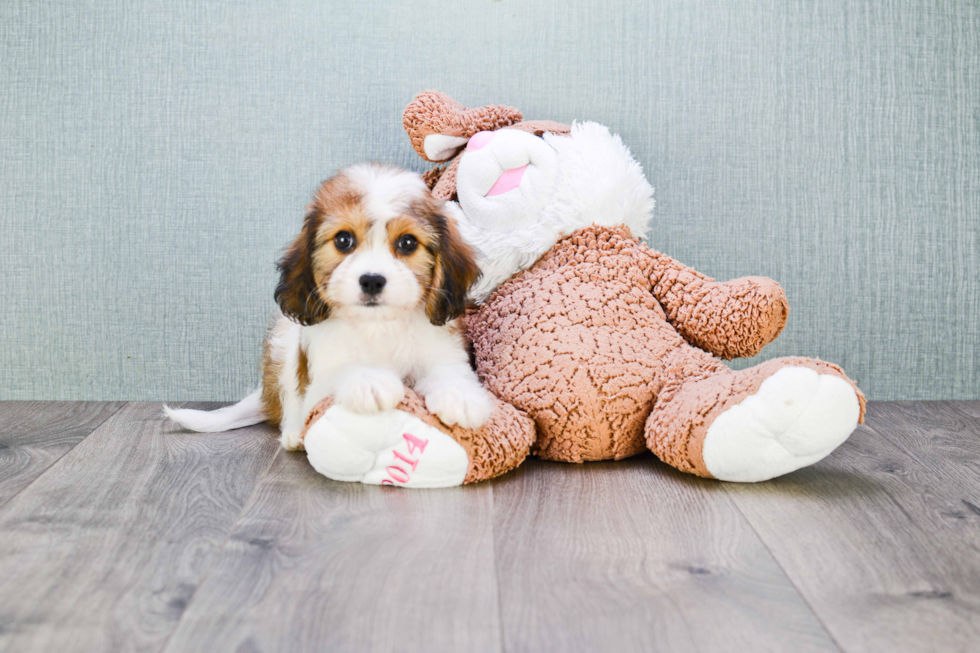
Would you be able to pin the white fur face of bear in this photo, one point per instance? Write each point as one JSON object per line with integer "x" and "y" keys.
{"x": 587, "y": 177}
{"x": 507, "y": 153}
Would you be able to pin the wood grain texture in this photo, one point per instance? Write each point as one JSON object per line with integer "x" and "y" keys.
{"x": 145, "y": 538}
{"x": 634, "y": 556}
{"x": 317, "y": 565}
{"x": 883, "y": 538}
{"x": 104, "y": 551}
{"x": 969, "y": 408}
{"x": 942, "y": 437}
{"x": 35, "y": 434}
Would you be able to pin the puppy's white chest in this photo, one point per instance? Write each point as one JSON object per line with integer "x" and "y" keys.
{"x": 391, "y": 344}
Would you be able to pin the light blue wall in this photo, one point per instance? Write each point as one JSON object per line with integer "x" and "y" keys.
{"x": 156, "y": 157}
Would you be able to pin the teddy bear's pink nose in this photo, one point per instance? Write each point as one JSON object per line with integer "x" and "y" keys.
{"x": 478, "y": 140}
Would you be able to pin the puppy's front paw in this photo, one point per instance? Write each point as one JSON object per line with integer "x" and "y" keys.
{"x": 466, "y": 405}
{"x": 370, "y": 391}
{"x": 291, "y": 440}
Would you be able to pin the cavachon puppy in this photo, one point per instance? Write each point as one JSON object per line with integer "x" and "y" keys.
{"x": 370, "y": 291}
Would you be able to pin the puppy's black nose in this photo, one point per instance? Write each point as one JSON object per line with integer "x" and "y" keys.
{"x": 372, "y": 284}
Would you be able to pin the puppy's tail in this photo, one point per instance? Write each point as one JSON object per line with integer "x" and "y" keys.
{"x": 246, "y": 412}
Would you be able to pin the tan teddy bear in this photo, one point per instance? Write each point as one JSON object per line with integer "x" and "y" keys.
{"x": 607, "y": 345}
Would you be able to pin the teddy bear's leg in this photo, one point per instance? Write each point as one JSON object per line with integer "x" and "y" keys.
{"x": 755, "y": 424}
{"x": 409, "y": 447}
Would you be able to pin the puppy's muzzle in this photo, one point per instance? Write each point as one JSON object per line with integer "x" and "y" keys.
{"x": 372, "y": 284}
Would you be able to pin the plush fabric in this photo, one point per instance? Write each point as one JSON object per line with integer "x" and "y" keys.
{"x": 434, "y": 113}
{"x": 678, "y": 425}
{"x": 608, "y": 346}
{"x": 596, "y": 181}
{"x": 582, "y": 344}
{"x": 500, "y": 445}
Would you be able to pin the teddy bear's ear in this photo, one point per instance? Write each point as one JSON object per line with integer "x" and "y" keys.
{"x": 439, "y": 147}
{"x": 439, "y": 126}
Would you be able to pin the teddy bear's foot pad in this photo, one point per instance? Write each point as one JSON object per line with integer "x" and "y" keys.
{"x": 796, "y": 418}
{"x": 388, "y": 448}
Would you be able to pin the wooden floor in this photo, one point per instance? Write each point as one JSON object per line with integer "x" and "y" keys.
{"x": 119, "y": 532}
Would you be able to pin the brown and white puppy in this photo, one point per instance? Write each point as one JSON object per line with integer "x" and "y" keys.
{"x": 370, "y": 292}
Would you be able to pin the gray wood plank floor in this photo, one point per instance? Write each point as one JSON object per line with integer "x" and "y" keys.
{"x": 119, "y": 532}
{"x": 35, "y": 434}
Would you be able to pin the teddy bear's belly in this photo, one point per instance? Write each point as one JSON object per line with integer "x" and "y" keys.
{"x": 577, "y": 357}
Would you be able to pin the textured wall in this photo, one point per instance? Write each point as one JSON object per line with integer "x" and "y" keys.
{"x": 156, "y": 157}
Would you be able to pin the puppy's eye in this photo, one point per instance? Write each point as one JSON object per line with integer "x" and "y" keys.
{"x": 407, "y": 244}
{"x": 344, "y": 241}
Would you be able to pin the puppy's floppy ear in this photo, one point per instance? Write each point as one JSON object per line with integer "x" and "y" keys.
{"x": 296, "y": 293}
{"x": 455, "y": 271}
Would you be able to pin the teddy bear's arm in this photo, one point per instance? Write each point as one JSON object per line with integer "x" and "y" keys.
{"x": 731, "y": 319}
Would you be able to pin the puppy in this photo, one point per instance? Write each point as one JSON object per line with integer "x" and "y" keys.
{"x": 370, "y": 292}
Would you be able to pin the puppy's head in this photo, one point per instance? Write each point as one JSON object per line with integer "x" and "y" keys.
{"x": 375, "y": 245}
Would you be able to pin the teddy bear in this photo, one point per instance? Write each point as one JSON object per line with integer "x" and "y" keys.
{"x": 596, "y": 346}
